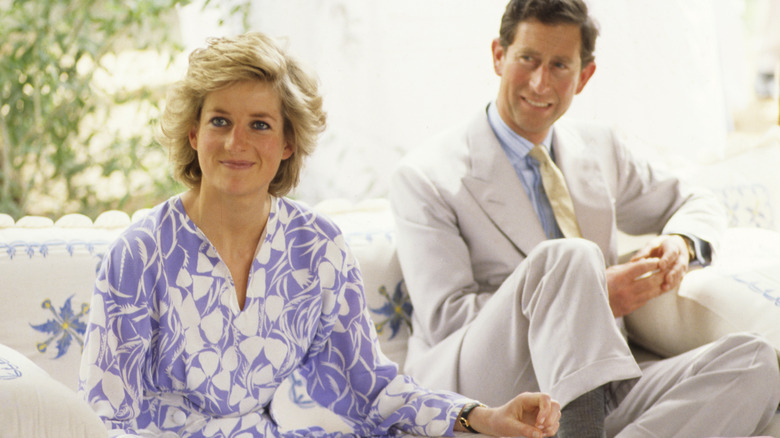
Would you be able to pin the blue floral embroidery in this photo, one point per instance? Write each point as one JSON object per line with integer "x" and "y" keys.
{"x": 397, "y": 309}
{"x": 65, "y": 325}
{"x": 748, "y": 206}
{"x": 767, "y": 291}
{"x": 9, "y": 371}
{"x": 45, "y": 248}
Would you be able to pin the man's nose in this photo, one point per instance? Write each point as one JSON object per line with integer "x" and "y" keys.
{"x": 540, "y": 78}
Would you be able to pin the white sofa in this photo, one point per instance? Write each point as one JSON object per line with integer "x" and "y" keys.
{"x": 47, "y": 269}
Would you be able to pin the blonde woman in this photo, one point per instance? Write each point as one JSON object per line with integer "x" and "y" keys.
{"x": 205, "y": 306}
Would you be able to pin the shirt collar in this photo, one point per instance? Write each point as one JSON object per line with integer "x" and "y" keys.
{"x": 509, "y": 138}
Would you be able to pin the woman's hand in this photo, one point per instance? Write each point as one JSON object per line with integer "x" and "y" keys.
{"x": 532, "y": 415}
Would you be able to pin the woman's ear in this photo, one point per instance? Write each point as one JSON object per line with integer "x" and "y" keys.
{"x": 288, "y": 150}
{"x": 194, "y": 136}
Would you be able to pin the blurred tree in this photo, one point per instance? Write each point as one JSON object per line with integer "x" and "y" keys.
{"x": 66, "y": 144}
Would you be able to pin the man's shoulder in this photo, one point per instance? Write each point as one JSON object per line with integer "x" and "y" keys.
{"x": 586, "y": 136}
{"x": 444, "y": 149}
{"x": 583, "y": 127}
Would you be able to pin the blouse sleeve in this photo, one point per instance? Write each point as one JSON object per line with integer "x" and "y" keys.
{"x": 118, "y": 334}
{"x": 347, "y": 373}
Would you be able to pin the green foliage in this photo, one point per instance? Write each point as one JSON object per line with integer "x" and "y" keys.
{"x": 64, "y": 145}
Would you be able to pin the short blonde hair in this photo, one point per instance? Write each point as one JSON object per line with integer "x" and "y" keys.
{"x": 251, "y": 56}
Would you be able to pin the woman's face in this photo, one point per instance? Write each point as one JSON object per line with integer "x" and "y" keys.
{"x": 240, "y": 139}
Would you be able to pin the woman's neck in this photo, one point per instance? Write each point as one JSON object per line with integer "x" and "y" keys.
{"x": 230, "y": 223}
{"x": 234, "y": 227}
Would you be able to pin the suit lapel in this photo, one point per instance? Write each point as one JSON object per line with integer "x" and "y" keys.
{"x": 589, "y": 192}
{"x": 506, "y": 204}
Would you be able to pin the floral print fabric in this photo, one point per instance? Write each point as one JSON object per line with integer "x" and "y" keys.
{"x": 169, "y": 350}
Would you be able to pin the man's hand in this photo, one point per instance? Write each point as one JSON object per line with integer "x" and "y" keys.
{"x": 657, "y": 268}
{"x": 528, "y": 414}
{"x": 672, "y": 252}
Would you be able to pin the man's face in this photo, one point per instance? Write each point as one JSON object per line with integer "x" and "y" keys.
{"x": 540, "y": 73}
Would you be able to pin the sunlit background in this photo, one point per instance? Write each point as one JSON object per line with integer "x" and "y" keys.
{"x": 686, "y": 79}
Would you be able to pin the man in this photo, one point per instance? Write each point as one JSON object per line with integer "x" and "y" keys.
{"x": 504, "y": 305}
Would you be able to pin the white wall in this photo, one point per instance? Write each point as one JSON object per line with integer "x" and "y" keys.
{"x": 396, "y": 72}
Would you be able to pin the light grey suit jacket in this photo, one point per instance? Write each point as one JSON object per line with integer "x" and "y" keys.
{"x": 464, "y": 221}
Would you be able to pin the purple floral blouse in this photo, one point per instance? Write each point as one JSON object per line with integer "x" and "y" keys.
{"x": 168, "y": 350}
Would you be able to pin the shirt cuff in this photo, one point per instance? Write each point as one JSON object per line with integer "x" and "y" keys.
{"x": 702, "y": 250}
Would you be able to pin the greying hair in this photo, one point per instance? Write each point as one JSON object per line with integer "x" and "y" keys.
{"x": 551, "y": 12}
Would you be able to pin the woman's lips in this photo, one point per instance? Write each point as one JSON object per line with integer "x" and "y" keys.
{"x": 237, "y": 164}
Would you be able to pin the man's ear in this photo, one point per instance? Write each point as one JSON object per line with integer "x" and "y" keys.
{"x": 498, "y": 56}
{"x": 585, "y": 74}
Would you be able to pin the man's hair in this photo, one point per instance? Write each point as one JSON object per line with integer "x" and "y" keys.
{"x": 225, "y": 61}
{"x": 551, "y": 12}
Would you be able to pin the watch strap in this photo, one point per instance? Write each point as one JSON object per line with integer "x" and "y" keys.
{"x": 463, "y": 416}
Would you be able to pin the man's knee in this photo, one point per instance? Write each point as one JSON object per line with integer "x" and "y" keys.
{"x": 756, "y": 359}
{"x": 568, "y": 251}
{"x": 555, "y": 264}
{"x": 749, "y": 346}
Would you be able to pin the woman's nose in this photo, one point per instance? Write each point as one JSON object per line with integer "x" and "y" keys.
{"x": 236, "y": 140}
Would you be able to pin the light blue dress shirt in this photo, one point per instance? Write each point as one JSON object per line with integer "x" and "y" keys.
{"x": 527, "y": 168}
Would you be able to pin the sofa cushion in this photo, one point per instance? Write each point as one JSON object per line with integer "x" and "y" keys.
{"x": 740, "y": 291}
{"x": 36, "y": 405}
{"x": 48, "y": 276}
{"x": 746, "y": 183}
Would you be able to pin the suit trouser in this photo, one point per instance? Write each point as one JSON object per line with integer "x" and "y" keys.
{"x": 549, "y": 328}
{"x": 730, "y": 387}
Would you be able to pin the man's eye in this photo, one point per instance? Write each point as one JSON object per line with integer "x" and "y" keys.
{"x": 218, "y": 121}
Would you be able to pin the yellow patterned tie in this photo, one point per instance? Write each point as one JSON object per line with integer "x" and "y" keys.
{"x": 557, "y": 193}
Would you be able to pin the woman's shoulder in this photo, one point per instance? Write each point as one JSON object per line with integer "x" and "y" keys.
{"x": 167, "y": 214}
{"x": 302, "y": 216}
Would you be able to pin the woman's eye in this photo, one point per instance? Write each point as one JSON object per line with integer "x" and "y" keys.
{"x": 260, "y": 125}
{"x": 218, "y": 121}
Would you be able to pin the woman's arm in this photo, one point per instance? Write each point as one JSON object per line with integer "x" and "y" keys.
{"x": 117, "y": 339}
{"x": 349, "y": 375}
{"x": 534, "y": 415}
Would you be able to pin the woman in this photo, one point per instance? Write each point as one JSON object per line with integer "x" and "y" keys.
{"x": 206, "y": 305}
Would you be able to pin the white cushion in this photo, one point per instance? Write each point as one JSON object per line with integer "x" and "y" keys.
{"x": 740, "y": 291}
{"x": 6, "y": 220}
{"x": 36, "y": 405}
{"x": 48, "y": 275}
{"x": 747, "y": 184}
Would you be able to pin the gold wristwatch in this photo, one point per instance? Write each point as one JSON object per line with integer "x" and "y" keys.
{"x": 463, "y": 416}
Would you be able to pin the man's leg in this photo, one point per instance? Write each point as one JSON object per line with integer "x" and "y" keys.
{"x": 584, "y": 416}
{"x": 548, "y": 328}
{"x": 728, "y": 388}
